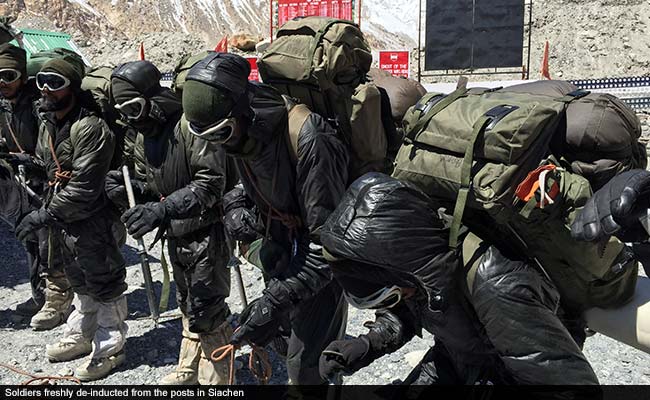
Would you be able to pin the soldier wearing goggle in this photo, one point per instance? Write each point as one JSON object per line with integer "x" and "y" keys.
{"x": 295, "y": 193}
{"x": 76, "y": 147}
{"x": 21, "y": 194}
{"x": 179, "y": 183}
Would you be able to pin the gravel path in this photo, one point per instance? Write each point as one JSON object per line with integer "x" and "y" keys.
{"x": 152, "y": 351}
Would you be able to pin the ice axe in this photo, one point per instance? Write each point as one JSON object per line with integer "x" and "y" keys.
{"x": 142, "y": 252}
{"x": 234, "y": 263}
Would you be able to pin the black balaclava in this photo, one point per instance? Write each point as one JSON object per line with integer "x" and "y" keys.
{"x": 142, "y": 79}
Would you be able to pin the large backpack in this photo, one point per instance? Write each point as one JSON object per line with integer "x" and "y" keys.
{"x": 491, "y": 156}
{"x": 601, "y": 133}
{"x": 474, "y": 147}
{"x": 323, "y": 63}
{"x": 182, "y": 68}
{"x": 37, "y": 60}
{"x": 98, "y": 83}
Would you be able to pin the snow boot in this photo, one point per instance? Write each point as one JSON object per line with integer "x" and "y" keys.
{"x": 187, "y": 371}
{"x": 98, "y": 368}
{"x": 57, "y": 307}
{"x": 78, "y": 333}
{"x": 210, "y": 372}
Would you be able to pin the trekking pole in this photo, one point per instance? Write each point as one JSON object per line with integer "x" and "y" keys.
{"x": 142, "y": 252}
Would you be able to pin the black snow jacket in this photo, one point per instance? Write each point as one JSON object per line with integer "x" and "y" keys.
{"x": 294, "y": 197}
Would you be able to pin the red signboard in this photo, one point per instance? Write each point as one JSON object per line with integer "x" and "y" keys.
{"x": 395, "y": 62}
{"x": 289, "y": 9}
{"x": 254, "y": 75}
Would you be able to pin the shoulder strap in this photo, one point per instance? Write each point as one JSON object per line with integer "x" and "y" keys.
{"x": 298, "y": 114}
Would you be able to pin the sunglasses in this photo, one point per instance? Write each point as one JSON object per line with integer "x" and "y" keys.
{"x": 9, "y": 75}
{"x": 383, "y": 298}
{"x": 133, "y": 109}
{"x": 51, "y": 81}
{"x": 219, "y": 132}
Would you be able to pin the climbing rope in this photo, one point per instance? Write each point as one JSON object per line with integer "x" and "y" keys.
{"x": 40, "y": 379}
{"x": 258, "y": 357}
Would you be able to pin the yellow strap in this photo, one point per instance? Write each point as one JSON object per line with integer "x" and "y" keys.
{"x": 164, "y": 293}
{"x": 298, "y": 114}
{"x": 471, "y": 260}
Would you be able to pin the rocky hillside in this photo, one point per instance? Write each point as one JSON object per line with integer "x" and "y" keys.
{"x": 588, "y": 38}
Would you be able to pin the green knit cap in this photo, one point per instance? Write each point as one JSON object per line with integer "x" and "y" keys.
{"x": 204, "y": 104}
{"x": 71, "y": 67}
{"x": 13, "y": 57}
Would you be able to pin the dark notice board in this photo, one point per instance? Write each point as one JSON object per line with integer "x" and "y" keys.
{"x": 471, "y": 34}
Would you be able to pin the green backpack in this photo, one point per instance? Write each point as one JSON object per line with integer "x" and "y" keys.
{"x": 490, "y": 156}
{"x": 182, "y": 68}
{"x": 98, "y": 83}
{"x": 474, "y": 147}
{"x": 37, "y": 60}
{"x": 322, "y": 62}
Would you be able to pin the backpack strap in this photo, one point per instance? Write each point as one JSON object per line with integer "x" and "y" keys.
{"x": 428, "y": 107}
{"x": 297, "y": 115}
{"x": 485, "y": 123}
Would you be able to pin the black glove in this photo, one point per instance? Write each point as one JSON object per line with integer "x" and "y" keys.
{"x": 116, "y": 191}
{"x": 346, "y": 356}
{"x": 144, "y": 218}
{"x": 615, "y": 209}
{"x": 31, "y": 223}
{"x": 242, "y": 225}
{"x": 240, "y": 219}
{"x": 259, "y": 322}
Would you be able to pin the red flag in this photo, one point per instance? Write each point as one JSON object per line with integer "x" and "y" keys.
{"x": 545, "y": 72}
{"x": 141, "y": 51}
{"x": 222, "y": 46}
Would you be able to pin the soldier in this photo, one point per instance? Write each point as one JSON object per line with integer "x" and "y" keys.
{"x": 76, "y": 147}
{"x": 295, "y": 194}
{"x": 183, "y": 179}
{"x": 387, "y": 244}
{"x": 51, "y": 297}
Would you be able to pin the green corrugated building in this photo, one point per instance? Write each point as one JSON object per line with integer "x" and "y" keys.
{"x": 34, "y": 40}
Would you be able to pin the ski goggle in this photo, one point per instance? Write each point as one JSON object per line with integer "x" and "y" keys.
{"x": 383, "y": 298}
{"x": 51, "y": 81}
{"x": 132, "y": 109}
{"x": 219, "y": 132}
{"x": 9, "y": 75}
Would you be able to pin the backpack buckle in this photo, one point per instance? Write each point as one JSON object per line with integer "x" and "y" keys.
{"x": 428, "y": 105}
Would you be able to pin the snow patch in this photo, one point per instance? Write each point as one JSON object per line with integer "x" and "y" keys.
{"x": 179, "y": 14}
{"x": 393, "y": 16}
{"x": 84, "y": 4}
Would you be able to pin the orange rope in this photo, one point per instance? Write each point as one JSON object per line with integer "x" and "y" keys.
{"x": 46, "y": 379}
{"x": 258, "y": 356}
{"x": 225, "y": 351}
{"x": 59, "y": 175}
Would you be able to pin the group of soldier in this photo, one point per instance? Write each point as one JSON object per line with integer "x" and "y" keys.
{"x": 212, "y": 164}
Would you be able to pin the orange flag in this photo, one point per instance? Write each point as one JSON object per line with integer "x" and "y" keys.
{"x": 222, "y": 46}
{"x": 141, "y": 51}
{"x": 545, "y": 72}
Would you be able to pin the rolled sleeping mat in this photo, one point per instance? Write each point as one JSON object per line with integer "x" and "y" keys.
{"x": 629, "y": 324}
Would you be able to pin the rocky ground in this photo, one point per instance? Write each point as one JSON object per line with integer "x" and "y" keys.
{"x": 152, "y": 350}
